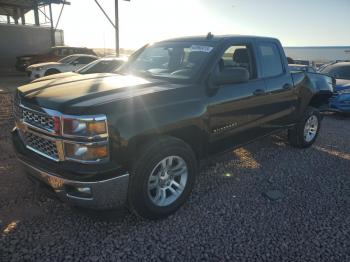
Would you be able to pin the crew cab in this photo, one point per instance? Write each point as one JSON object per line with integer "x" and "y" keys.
{"x": 135, "y": 138}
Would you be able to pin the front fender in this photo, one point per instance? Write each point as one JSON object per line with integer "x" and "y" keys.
{"x": 140, "y": 121}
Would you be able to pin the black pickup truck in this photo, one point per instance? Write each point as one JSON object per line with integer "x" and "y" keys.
{"x": 135, "y": 138}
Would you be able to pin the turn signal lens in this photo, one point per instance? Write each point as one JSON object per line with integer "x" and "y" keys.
{"x": 97, "y": 127}
{"x": 85, "y": 126}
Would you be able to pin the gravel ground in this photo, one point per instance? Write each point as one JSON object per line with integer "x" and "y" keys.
{"x": 228, "y": 216}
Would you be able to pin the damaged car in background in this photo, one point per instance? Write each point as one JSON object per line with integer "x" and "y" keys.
{"x": 340, "y": 101}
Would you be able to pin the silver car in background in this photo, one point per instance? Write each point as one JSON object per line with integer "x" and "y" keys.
{"x": 102, "y": 65}
{"x": 67, "y": 64}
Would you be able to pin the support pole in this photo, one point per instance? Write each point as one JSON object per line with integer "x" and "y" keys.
{"x": 36, "y": 15}
{"x": 8, "y": 19}
{"x": 59, "y": 17}
{"x": 23, "y": 17}
{"x": 15, "y": 15}
{"x": 116, "y": 27}
{"x": 52, "y": 29}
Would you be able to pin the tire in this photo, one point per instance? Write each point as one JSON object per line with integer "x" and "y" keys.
{"x": 311, "y": 121}
{"x": 148, "y": 172}
{"x": 51, "y": 71}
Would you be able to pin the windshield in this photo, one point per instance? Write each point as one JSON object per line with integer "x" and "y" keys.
{"x": 100, "y": 66}
{"x": 67, "y": 59}
{"x": 337, "y": 71}
{"x": 176, "y": 60}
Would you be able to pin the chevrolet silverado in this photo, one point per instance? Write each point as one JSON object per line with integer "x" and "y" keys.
{"x": 135, "y": 138}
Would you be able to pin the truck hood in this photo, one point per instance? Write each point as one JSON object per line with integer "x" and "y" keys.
{"x": 80, "y": 92}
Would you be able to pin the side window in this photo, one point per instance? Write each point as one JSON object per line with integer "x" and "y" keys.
{"x": 84, "y": 60}
{"x": 238, "y": 56}
{"x": 270, "y": 60}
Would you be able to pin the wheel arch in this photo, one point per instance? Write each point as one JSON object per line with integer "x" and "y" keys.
{"x": 191, "y": 135}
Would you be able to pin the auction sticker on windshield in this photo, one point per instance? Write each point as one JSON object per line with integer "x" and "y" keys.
{"x": 201, "y": 48}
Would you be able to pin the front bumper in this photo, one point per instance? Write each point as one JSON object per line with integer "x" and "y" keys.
{"x": 100, "y": 191}
{"x": 104, "y": 194}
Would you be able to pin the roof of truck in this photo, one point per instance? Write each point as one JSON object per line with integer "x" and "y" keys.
{"x": 216, "y": 38}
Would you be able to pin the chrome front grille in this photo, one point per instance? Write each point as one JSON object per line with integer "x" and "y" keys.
{"x": 34, "y": 118}
{"x": 41, "y": 145}
{"x": 38, "y": 119}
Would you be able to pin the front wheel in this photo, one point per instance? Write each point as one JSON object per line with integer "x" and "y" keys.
{"x": 162, "y": 178}
{"x": 304, "y": 134}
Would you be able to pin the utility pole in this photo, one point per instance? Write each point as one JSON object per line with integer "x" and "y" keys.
{"x": 52, "y": 28}
{"x": 115, "y": 24}
{"x": 116, "y": 27}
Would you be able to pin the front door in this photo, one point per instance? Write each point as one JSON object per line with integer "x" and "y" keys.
{"x": 236, "y": 111}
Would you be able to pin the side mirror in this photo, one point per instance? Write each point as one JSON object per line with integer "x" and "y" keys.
{"x": 231, "y": 76}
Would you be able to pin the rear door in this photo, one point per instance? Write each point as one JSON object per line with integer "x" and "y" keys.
{"x": 236, "y": 111}
{"x": 280, "y": 94}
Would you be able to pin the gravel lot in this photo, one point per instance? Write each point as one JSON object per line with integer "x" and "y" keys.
{"x": 228, "y": 216}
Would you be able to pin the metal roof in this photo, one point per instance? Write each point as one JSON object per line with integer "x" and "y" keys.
{"x": 7, "y": 6}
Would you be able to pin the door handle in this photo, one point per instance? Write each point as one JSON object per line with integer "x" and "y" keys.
{"x": 287, "y": 86}
{"x": 259, "y": 92}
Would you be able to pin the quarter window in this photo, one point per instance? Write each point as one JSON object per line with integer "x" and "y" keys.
{"x": 270, "y": 60}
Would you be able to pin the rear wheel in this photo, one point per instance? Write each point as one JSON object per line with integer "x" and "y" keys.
{"x": 304, "y": 134}
{"x": 162, "y": 178}
{"x": 51, "y": 71}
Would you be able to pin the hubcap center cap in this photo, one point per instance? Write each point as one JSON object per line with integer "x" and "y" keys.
{"x": 164, "y": 176}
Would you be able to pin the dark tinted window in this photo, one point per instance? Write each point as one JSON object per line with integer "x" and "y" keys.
{"x": 270, "y": 60}
{"x": 101, "y": 66}
{"x": 84, "y": 60}
{"x": 338, "y": 71}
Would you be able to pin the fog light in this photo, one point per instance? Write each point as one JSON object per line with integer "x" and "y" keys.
{"x": 85, "y": 190}
{"x": 82, "y": 192}
{"x": 82, "y": 152}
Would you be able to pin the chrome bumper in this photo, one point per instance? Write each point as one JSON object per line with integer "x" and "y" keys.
{"x": 105, "y": 194}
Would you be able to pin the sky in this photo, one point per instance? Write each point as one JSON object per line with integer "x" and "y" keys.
{"x": 294, "y": 22}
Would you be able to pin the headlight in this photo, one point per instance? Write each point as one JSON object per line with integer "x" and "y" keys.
{"x": 86, "y": 152}
{"x": 85, "y": 127}
{"x": 33, "y": 68}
